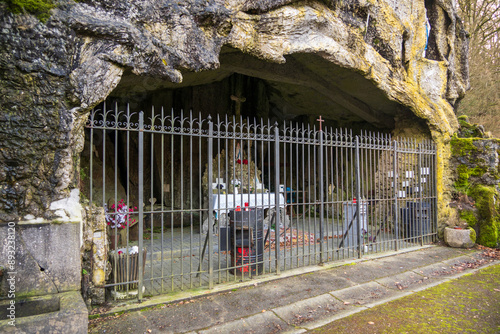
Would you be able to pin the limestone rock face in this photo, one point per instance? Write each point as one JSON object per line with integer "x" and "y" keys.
{"x": 352, "y": 61}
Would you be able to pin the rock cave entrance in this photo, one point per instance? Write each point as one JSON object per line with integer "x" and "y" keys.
{"x": 300, "y": 90}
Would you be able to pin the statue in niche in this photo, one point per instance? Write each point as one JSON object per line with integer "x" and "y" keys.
{"x": 238, "y": 152}
{"x": 238, "y": 171}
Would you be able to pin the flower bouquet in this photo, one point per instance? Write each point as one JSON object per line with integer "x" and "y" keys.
{"x": 118, "y": 217}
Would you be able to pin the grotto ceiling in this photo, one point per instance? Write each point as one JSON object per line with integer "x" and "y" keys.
{"x": 305, "y": 85}
{"x": 350, "y": 61}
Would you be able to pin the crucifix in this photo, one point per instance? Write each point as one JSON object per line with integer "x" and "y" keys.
{"x": 238, "y": 100}
{"x": 320, "y": 120}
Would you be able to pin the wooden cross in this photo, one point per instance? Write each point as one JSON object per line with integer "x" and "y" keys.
{"x": 320, "y": 120}
{"x": 239, "y": 101}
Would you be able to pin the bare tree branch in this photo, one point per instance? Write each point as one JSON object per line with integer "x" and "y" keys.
{"x": 482, "y": 103}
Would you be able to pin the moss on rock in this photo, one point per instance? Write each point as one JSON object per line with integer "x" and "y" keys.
{"x": 472, "y": 235}
{"x": 487, "y": 199}
{"x": 464, "y": 174}
{"x": 39, "y": 8}
{"x": 462, "y": 146}
{"x": 469, "y": 217}
{"x": 468, "y": 130}
{"x": 477, "y": 174}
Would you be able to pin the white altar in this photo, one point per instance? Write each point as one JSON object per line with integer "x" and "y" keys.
{"x": 222, "y": 203}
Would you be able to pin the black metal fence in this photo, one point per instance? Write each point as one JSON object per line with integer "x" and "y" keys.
{"x": 172, "y": 185}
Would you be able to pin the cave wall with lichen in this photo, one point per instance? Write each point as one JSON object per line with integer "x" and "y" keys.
{"x": 53, "y": 72}
{"x": 476, "y": 184}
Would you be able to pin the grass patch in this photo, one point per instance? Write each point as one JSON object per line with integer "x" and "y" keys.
{"x": 468, "y": 304}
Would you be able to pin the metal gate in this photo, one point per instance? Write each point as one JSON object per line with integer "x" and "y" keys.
{"x": 171, "y": 184}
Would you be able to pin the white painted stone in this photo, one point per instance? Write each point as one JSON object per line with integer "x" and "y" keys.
{"x": 68, "y": 209}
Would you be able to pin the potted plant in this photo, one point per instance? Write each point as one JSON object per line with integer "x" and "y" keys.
{"x": 118, "y": 217}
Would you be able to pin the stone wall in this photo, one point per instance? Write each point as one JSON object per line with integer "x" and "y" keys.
{"x": 46, "y": 260}
{"x": 476, "y": 191}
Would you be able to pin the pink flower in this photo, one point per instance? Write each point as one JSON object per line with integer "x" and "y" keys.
{"x": 118, "y": 216}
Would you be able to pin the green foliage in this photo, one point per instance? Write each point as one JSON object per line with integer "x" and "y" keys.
{"x": 39, "y": 8}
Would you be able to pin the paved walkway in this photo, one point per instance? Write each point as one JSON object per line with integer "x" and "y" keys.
{"x": 174, "y": 262}
{"x": 302, "y": 300}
